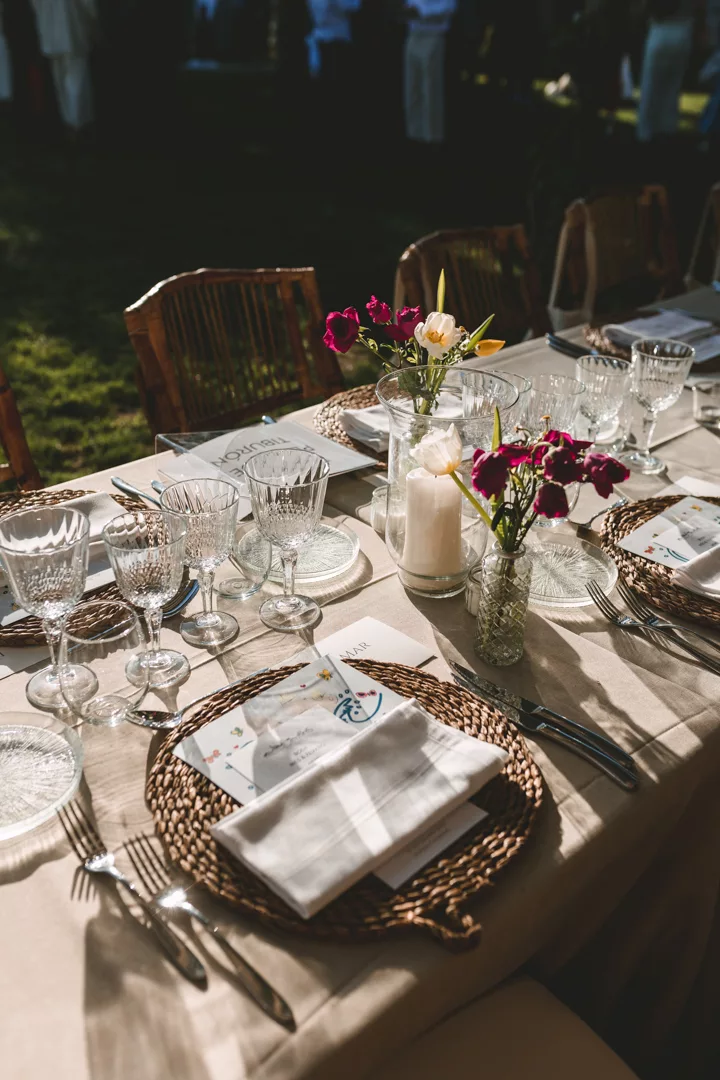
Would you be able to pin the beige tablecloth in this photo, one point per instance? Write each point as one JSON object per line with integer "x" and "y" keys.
{"x": 615, "y": 900}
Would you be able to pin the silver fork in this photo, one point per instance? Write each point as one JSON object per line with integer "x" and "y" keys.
{"x": 616, "y": 616}
{"x": 646, "y": 614}
{"x": 96, "y": 859}
{"x": 155, "y": 876}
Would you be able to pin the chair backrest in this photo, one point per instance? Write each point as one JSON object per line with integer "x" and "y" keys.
{"x": 486, "y": 270}
{"x": 705, "y": 259}
{"x": 616, "y": 251}
{"x": 20, "y": 466}
{"x": 217, "y": 347}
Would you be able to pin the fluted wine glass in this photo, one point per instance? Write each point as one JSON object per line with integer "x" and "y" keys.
{"x": 146, "y": 549}
{"x": 607, "y": 382}
{"x": 287, "y": 489}
{"x": 45, "y": 555}
{"x": 209, "y": 509}
{"x": 660, "y": 368}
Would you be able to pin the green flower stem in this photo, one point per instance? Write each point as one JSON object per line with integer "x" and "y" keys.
{"x": 471, "y": 499}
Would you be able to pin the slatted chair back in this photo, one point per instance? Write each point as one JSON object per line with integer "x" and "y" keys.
{"x": 615, "y": 252}
{"x": 486, "y": 270}
{"x": 705, "y": 259}
{"x": 20, "y": 466}
{"x": 219, "y": 347}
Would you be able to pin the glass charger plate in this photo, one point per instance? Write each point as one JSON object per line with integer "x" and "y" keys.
{"x": 562, "y": 568}
{"x": 332, "y": 551}
{"x": 40, "y": 769}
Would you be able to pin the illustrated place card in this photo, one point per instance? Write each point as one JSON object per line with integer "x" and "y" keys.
{"x": 677, "y": 535}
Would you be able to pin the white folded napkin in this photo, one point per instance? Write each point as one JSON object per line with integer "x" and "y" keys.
{"x": 371, "y": 426}
{"x": 314, "y": 836}
{"x": 701, "y": 575}
{"x": 99, "y": 508}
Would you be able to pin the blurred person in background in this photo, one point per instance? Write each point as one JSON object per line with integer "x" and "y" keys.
{"x": 666, "y": 56}
{"x": 425, "y": 45}
{"x": 65, "y": 32}
{"x": 331, "y": 59}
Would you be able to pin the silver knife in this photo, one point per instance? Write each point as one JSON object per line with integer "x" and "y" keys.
{"x": 535, "y": 725}
{"x": 507, "y": 697}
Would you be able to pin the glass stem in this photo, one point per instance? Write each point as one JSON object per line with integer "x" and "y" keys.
{"x": 648, "y": 427}
{"x": 289, "y": 561}
{"x": 205, "y": 580}
{"x": 153, "y": 618}
{"x": 53, "y": 632}
{"x": 592, "y": 433}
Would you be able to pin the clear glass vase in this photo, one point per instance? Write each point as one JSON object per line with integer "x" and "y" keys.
{"x": 502, "y": 605}
{"x": 432, "y": 531}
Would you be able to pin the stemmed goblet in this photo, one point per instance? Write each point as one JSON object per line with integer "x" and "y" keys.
{"x": 209, "y": 509}
{"x": 607, "y": 381}
{"x": 287, "y": 490}
{"x": 146, "y": 549}
{"x": 659, "y": 370}
{"x": 45, "y": 555}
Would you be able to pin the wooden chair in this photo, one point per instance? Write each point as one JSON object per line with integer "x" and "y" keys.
{"x": 486, "y": 270}
{"x": 615, "y": 252}
{"x": 20, "y": 466}
{"x": 705, "y": 259}
{"x": 218, "y": 347}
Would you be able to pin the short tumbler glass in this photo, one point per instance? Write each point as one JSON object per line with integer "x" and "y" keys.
{"x": 287, "y": 489}
{"x": 607, "y": 382}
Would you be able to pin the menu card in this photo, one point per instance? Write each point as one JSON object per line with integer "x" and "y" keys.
{"x": 681, "y": 532}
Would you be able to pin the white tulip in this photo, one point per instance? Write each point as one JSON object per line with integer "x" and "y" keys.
{"x": 438, "y": 334}
{"x": 439, "y": 452}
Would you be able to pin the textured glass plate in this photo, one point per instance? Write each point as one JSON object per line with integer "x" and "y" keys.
{"x": 40, "y": 770}
{"x": 563, "y": 567}
{"x": 332, "y": 551}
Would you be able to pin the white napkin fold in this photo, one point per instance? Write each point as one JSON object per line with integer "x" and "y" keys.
{"x": 99, "y": 508}
{"x": 701, "y": 575}
{"x": 371, "y": 426}
{"x": 314, "y": 836}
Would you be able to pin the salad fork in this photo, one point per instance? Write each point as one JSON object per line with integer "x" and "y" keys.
{"x": 173, "y": 898}
{"x": 646, "y": 614}
{"x": 615, "y": 615}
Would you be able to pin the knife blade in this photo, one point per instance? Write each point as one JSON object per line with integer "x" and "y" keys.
{"x": 507, "y": 697}
{"x": 535, "y": 725}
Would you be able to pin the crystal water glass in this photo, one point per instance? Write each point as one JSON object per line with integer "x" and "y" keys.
{"x": 45, "y": 555}
{"x": 482, "y": 393}
{"x": 287, "y": 489}
{"x": 553, "y": 403}
{"x": 146, "y": 549}
{"x": 104, "y": 637}
{"x": 209, "y": 508}
{"x": 607, "y": 383}
{"x": 517, "y": 414}
{"x": 659, "y": 371}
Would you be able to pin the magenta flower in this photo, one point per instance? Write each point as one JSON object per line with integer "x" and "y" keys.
{"x": 342, "y": 329}
{"x": 514, "y": 453}
{"x": 551, "y": 501}
{"x": 406, "y": 321}
{"x": 603, "y": 471}
{"x": 379, "y": 311}
{"x": 556, "y": 437}
{"x": 561, "y": 465}
{"x": 490, "y": 473}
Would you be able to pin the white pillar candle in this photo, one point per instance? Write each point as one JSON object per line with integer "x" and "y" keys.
{"x": 433, "y": 529}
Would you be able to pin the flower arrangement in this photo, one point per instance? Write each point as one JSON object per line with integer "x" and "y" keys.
{"x": 521, "y": 479}
{"x": 414, "y": 342}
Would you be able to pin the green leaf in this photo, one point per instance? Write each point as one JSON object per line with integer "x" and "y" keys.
{"x": 497, "y": 430}
{"x": 479, "y": 333}
{"x": 498, "y": 516}
{"x": 441, "y": 292}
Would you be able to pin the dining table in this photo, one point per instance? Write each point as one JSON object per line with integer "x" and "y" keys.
{"x": 614, "y": 901}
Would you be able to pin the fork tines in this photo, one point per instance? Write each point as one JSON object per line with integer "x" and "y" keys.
{"x": 80, "y": 831}
{"x": 600, "y": 600}
{"x": 147, "y": 863}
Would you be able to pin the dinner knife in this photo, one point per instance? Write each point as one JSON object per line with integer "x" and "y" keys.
{"x": 507, "y": 697}
{"x": 568, "y": 348}
{"x": 535, "y": 725}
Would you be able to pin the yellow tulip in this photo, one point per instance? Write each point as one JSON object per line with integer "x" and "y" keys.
{"x": 488, "y": 346}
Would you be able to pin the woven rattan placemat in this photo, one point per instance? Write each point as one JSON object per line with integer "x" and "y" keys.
{"x": 651, "y": 580}
{"x": 29, "y": 631}
{"x": 327, "y": 418}
{"x": 185, "y": 804}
